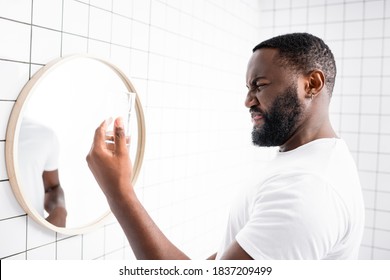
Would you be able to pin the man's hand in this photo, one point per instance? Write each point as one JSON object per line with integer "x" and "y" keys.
{"x": 110, "y": 162}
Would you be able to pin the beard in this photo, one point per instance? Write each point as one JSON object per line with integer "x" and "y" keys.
{"x": 280, "y": 121}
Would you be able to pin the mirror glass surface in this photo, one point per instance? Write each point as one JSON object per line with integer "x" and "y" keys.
{"x": 61, "y": 108}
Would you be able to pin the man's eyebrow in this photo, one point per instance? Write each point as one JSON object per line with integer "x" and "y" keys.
{"x": 254, "y": 81}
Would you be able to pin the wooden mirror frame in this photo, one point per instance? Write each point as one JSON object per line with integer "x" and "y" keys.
{"x": 12, "y": 136}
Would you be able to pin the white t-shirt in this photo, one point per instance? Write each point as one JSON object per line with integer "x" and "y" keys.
{"x": 308, "y": 205}
{"x": 38, "y": 151}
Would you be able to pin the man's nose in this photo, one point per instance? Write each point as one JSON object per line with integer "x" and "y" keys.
{"x": 251, "y": 100}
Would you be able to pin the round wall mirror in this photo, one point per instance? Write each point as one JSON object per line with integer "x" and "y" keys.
{"x": 51, "y": 129}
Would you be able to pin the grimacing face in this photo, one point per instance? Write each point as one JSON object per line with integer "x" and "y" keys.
{"x": 279, "y": 121}
{"x": 273, "y": 98}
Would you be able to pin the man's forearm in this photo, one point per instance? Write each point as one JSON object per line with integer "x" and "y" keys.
{"x": 145, "y": 238}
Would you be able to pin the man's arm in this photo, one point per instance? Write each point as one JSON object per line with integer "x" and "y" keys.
{"x": 112, "y": 169}
{"x": 54, "y": 202}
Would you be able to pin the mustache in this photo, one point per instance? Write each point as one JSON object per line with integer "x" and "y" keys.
{"x": 255, "y": 109}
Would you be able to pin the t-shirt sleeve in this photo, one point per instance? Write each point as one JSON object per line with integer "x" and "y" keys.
{"x": 297, "y": 216}
{"x": 53, "y": 151}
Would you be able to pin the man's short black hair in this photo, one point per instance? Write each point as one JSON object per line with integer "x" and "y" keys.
{"x": 303, "y": 52}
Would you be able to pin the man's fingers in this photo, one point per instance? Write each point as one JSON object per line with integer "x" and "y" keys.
{"x": 120, "y": 137}
{"x": 100, "y": 135}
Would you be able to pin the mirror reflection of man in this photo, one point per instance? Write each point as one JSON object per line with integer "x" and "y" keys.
{"x": 38, "y": 154}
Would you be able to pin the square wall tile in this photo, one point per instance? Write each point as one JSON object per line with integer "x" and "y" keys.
{"x": 5, "y": 112}
{"x": 267, "y": 19}
{"x": 382, "y": 239}
{"x": 384, "y": 182}
{"x": 368, "y": 180}
{"x": 123, "y": 7}
{"x": 386, "y": 47}
{"x": 282, "y": 18}
{"x": 14, "y": 40}
{"x": 114, "y": 238}
{"x": 72, "y": 44}
{"x": 352, "y": 140}
{"x": 38, "y": 235}
{"x": 349, "y": 123}
{"x": 368, "y": 143}
{"x": 47, "y": 252}
{"x": 100, "y": 24}
{"x": 386, "y": 66}
{"x": 372, "y": 66}
{"x": 69, "y": 248}
{"x": 381, "y": 254}
{"x": 350, "y": 104}
{"x": 382, "y": 201}
{"x": 367, "y": 161}
{"x": 373, "y": 28}
{"x": 372, "y": 47}
{"x": 316, "y": 14}
{"x": 280, "y": 4}
{"x": 369, "y": 218}
{"x": 9, "y": 206}
{"x": 157, "y": 14}
{"x": 3, "y": 169}
{"x": 269, "y": 5}
{"x": 382, "y": 220}
{"x": 48, "y": 13}
{"x": 352, "y": 85}
{"x": 16, "y": 10}
{"x": 351, "y": 66}
{"x": 12, "y": 236}
{"x": 104, "y": 4}
{"x": 120, "y": 57}
{"x": 140, "y": 33}
{"x": 384, "y": 164}
{"x": 353, "y": 48}
{"x": 369, "y": 199}
{"x": 141, "y": 11}
{"x": 384, "y": 146}
{"x": 365, "y": 253}
{"x": 370, "y": 86}
{"x": 21, "y": 256}
{"x": 46, "y": 45}
{"x": 13, "y": 78}
{"x": 353, "y": 30}
{"x": 93, "y": 244}
{"x": 374, "y": 9}
{"x": 121, "y": 30}
{"x": 369, "y": 124}
{"x": 334, "y": 13}
{"x": 354, "y": 11}
{"x": 76, "y": 15}
{"x": 334, "y": 31}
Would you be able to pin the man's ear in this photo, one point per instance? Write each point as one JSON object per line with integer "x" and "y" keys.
{"x": 315, "y": 83}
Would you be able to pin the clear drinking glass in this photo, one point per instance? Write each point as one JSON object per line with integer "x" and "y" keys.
{"x": 119, "y": 104}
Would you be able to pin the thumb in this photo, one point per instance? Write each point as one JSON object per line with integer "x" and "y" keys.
{"x": 120, "y": 137}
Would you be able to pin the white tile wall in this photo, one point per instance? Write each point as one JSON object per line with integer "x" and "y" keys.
{"x": 47, "y": 13}
{"x": 14, "y": 77}
{"x": 69, "y": 248}
{"x": 46, "y": 45}
{"x": 19, "y": 10}
{"x": 14, "y": 40}
{"x": 46, "y": 252}
{"x": 178, "y": 54}
{"x": 10, "y": 207}
{"x": 13, "y": 236}
{"x": 38, "y": 236}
